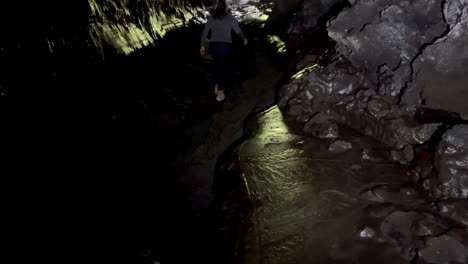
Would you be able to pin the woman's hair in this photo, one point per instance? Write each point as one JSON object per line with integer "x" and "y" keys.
{"x": 220, "y": 10}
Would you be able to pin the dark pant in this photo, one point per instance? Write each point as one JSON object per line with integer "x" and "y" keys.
{"x": 221, "y": 52}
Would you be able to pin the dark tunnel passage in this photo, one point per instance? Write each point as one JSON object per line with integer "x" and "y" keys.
{"x": 343, "y": 137}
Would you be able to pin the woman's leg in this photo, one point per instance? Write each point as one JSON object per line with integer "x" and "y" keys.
{"x": 224, "y": 53}
{"x": 221, "y": 52}
{"x": 214, "y": 50}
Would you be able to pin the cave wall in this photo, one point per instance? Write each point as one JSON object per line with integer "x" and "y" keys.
{"x": 397, "y": 75}
{"x": 439, "y": 79}
{"x": 396, "y": 72}
{"x": 392, "y": 60}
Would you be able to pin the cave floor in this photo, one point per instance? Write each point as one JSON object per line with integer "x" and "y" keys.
{"x": 310, "y": 205}
{"x": 227, "y": 126}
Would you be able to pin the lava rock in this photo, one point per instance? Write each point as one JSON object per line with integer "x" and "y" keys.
{"x": 391, "y": 194}
{"x": 398, "y": 156}
{"x": 398, "y": 228}
{"x": 378, "y": 33}
{"x": 325, "y": 130}
{"x": 320, "y": 126}
{"x": 325, "y": 85}
{"x": 340, "y": 146}
{"x": 444, "y": 249}
{"x": 451, "y": 164}
{"x": 455, "y": 210}
{"x": 444, "y": 63}
{"x": 367, "y": 232}
{"x": 430, "y": 226}
{"x": 408, "y": 151}
{"x": 375, "y": 106}
{"x": 370, "y": 154}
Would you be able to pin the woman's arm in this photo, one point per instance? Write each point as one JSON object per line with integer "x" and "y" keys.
{"x": 235, "y": 26}
{"x": 206, "y": 30}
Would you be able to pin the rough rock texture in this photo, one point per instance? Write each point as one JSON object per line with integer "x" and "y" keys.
{"x": 339, "y": 146}
{"x": 308, "y": 15}
{"x": 337, "y": 93}
{"x": 399, "y": 76}
{"x": 422, "y": 234}
{"x": 385, "y": 36}
{"x": 444, "y": 64}
{"x": 456, "y": 211}
{"x": 442, "y": 171}
{"x": 445, "y": 249}
{"x": 393, "y": 57}
{"x": 451, "y": 164}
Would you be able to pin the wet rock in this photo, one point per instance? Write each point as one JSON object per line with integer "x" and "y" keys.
{"x": 379, "y": 41}
{"x": 321, "y": 127}
{"x": 304, "y": 219}
{"x": 369, "y": 154}
{"x": 461, "y": 234}
{"x": 326, "y": 130}
{"x": 398, "y": 156}
{"x": 451, "y": 164}
{"x": 394, "y": 57}
{"x": 339, "y": 146}
{"x": 337, "y": 97}
{"x": 398, "y": 228}
{"x": 455, "y": 210}
{"x": 320, "y": 118}
{"x": 408, "y": 151}
{"x": 382, "y": 44}
{"x": 430, "y": 227}
{"x": 415, "y": 135}
{"x": 428, "y": 115}
{"x": 392, "y": 194}
{"x": 366, "y": 232}
{"x": 378, "y": 33}
{"x": 444, "y": 249}
{"x": 307, "y": 60}
{"x": 396, "y": 132}
{"x": 314, "y": 91}
{"x": 380, "y": 210}
{"x": 422, "y": 165}
{"x": 444, "y": 64}
{"x": 375, "y": 106}
{"x": 407, "y": 230}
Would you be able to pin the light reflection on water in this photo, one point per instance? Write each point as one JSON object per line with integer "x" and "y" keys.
{"x": 308, "y": 198}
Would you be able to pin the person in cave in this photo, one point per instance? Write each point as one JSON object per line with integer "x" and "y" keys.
{"x": 221, "y": 24}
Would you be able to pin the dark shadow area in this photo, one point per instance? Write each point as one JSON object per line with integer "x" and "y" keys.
{"x": 104, "y": 139}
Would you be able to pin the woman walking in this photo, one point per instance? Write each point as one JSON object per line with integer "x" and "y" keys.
{"x": 221, "y": 24}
